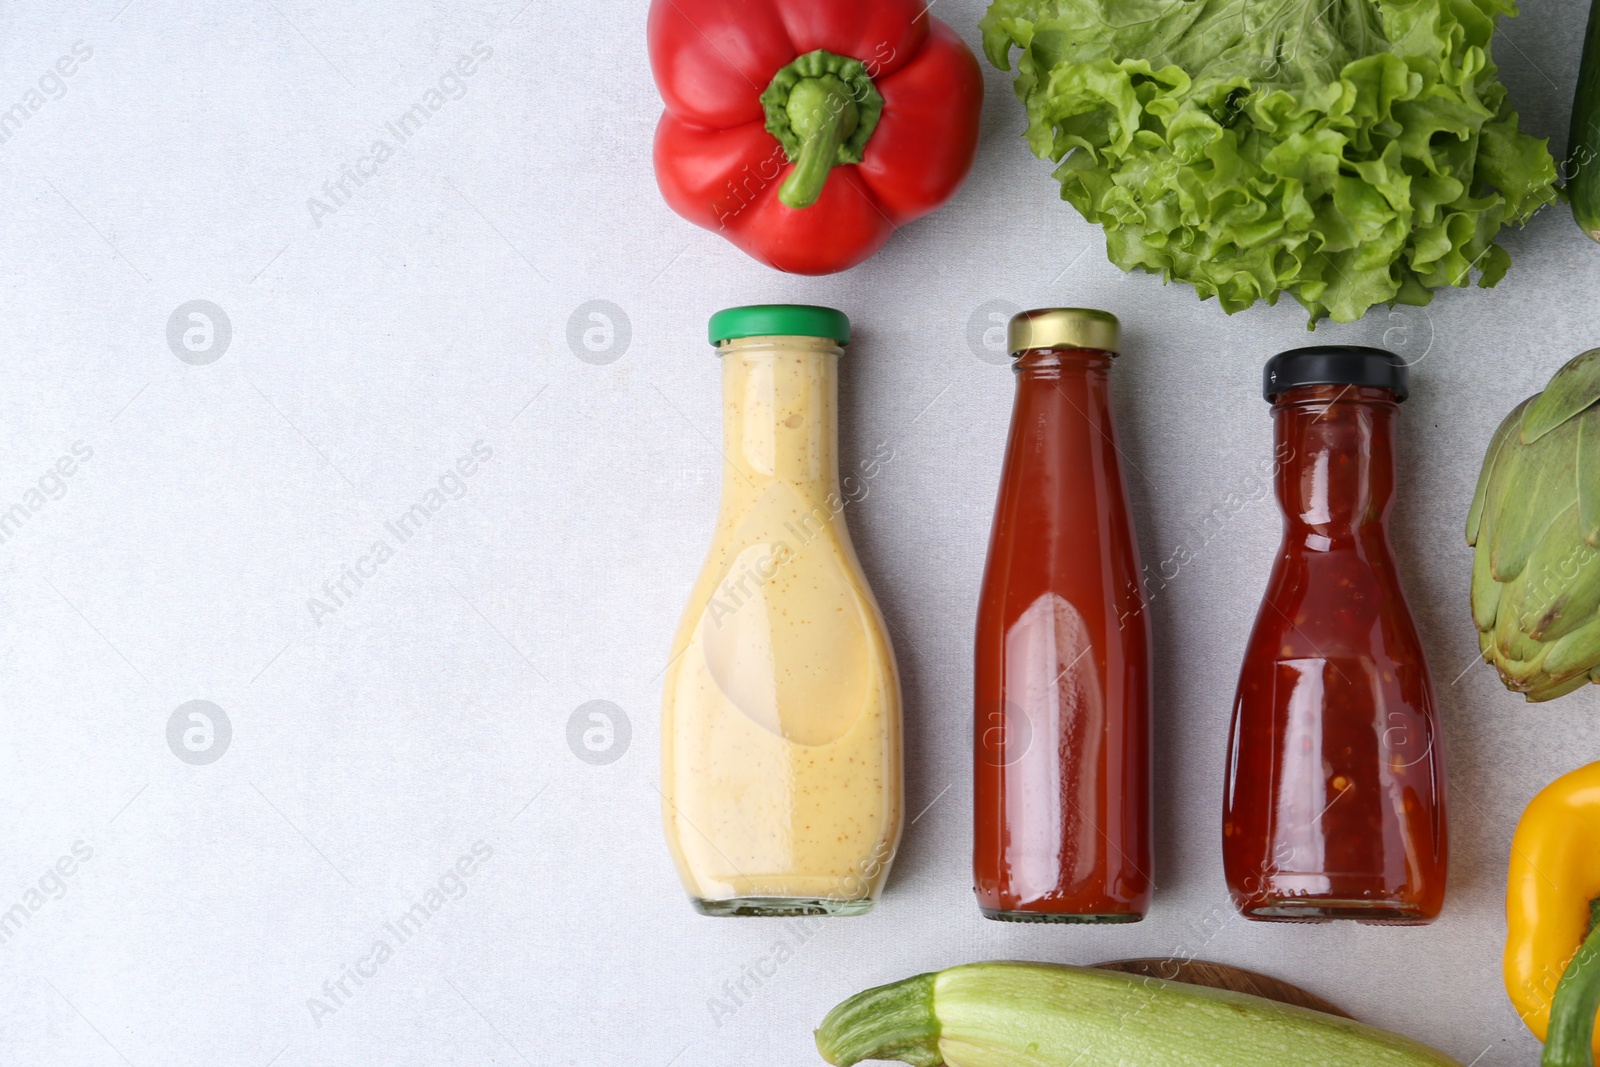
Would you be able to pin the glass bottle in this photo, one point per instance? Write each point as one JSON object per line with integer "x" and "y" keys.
{"x": 781, "y": 746}
{"x": 1335, "y": 800}
{"x": 1062, "y": 824}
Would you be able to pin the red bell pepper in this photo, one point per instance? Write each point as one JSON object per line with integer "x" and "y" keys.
{"x": 806, "y": 131}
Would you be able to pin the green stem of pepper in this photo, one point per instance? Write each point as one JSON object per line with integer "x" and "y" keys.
{"x": 823, "y": 116}
{"x": 1570, "y": 1039}
{"x": 822, "y": 108}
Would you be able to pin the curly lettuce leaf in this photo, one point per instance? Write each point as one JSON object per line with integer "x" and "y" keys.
{"x": 1349, "y": 152}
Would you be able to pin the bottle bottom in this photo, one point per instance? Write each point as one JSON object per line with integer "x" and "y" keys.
{"x": 1322, "y": 910}
{"x": 1058, "y": 917}
{"x": 781, "y": 907}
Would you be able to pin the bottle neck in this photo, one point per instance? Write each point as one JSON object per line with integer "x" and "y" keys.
{"x": 1045, "y": 365}
{"x": 780, "y": 414}
{"x": 1063, "y": 404}
{"x": 1335, "y": 456}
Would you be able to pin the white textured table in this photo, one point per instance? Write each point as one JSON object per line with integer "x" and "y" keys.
{"x": 387, "y": 730}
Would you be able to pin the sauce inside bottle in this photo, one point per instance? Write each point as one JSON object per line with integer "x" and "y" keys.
{"x": 1062, "y": 709}
{"x": 781, "y": 775}
{"x": 1335, "y": 800}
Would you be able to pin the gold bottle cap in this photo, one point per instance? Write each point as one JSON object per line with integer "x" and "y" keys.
{"x": 1062, "y": 328}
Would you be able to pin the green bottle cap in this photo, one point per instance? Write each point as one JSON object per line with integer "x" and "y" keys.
{"x": 780, "y": 320}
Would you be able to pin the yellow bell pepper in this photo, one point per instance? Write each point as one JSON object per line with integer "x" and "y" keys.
{"x": 1554, "y": 881}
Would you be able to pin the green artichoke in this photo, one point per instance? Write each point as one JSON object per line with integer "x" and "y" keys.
{"x": 1535, "y": 528}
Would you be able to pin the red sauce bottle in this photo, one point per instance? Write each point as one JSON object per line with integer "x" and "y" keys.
{"x": 1062, "y": 718}
{"x": 1335, "y": 801}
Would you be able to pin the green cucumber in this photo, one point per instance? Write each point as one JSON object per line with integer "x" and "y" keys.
{"x": 1043, "y": 1015}
{"x": 1583, "y": 140}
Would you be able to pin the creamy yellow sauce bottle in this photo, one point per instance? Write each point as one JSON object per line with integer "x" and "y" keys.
{"x": 780, "y": 739}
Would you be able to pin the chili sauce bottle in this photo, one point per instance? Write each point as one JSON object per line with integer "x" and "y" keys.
{"x": 780, "y": 739}
{"x": 1335, "y": 799}
{"x": 1062, "y": 705}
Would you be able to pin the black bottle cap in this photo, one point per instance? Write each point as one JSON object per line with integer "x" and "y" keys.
{"x": 1335, "y": 365}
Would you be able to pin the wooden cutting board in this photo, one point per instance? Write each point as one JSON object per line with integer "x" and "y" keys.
{"x": 1223, "y": 976}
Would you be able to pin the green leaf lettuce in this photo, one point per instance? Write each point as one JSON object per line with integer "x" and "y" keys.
{"x": 1350, "y": 152}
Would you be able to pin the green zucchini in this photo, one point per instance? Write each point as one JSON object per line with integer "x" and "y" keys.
{"x": 1569, "y": 1039}
{"x": 1043, "y": 1015}
{"x": 1583, "y": 140}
